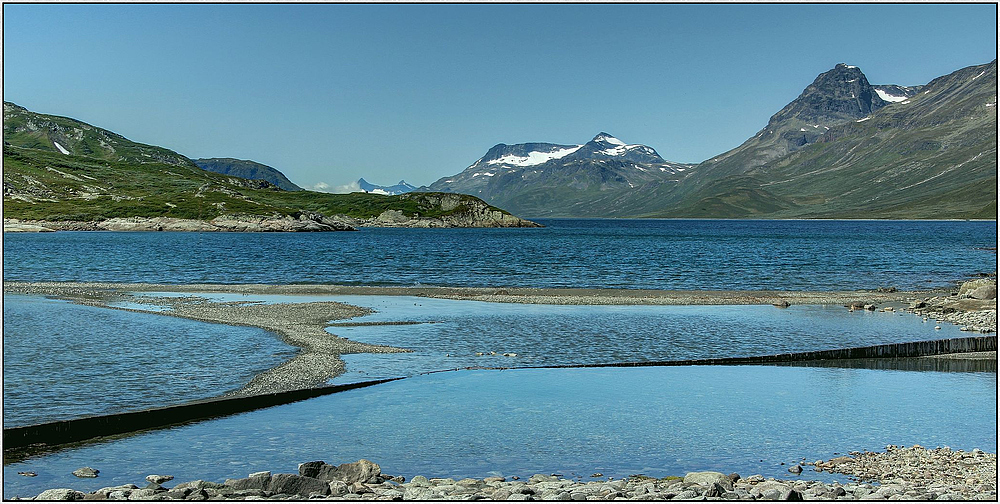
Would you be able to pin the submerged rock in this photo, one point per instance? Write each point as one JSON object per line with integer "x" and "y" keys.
{"x": 86, "y": 472}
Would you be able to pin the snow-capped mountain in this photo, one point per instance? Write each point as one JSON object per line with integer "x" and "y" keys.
{"x": 512, "y": 175}
{"x": 400, "y": 187}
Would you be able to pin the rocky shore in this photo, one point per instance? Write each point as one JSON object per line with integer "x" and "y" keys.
{"x": 899, "y": 473}
{"x": 459, "y": 212}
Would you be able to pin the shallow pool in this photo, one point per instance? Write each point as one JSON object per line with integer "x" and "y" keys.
{"x": 616, "y": 421}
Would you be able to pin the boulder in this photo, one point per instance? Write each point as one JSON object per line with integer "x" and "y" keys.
{"x": 293, "y": 484}
{"x": 984, "y": 292}
{"x": 362, "y": 471}
{"x": 59, "y": 494}
{"x": 86, "y": 472}
{"x": 158, "y": 479}
{"x": 311, "y": 469}
{"x": 258, "y": 481}
{"x": 968, "y": 288}
{"x": 707, "y": 478}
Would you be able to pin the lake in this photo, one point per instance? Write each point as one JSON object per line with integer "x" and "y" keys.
{"x": 63, "y": 360}
{"x": 590, "y": 253}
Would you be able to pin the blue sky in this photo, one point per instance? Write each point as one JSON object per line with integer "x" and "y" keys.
{"x": 331, "y": 93}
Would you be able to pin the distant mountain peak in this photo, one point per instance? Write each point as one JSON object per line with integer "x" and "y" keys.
{"x": 608, "y": 138}
{"x": 400, "y": 188}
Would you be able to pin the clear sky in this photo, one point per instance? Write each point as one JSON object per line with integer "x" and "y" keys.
{"x": 331, "y": 93}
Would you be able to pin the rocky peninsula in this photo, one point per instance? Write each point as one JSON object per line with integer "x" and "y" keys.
{"x": 449, "y": 211}
{"x": 898, "y": 473}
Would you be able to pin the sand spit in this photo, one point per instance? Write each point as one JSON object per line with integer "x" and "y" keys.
{"x": 304, "y": 324}
{"x": 571, "y": 296}
{"x": 298, "y": 324}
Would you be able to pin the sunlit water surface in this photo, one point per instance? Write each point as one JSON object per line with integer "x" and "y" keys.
{"x": 616, "y": 421}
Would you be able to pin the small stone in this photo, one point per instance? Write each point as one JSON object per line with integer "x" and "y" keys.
{"x": 86, "y": 472}
{"x": 158, "y": 479}
{"x": 30, "y": 474}
{"x": 597, "y": 475}
{"x": 795, "y": 469}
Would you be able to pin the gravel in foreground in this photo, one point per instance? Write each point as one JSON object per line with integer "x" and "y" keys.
{"x": 899, "y": 473}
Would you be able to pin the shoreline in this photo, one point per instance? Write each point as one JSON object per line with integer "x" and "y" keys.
{"x": 898, "y": 473}
{"x": 304, "y": 325}
{"x": 525, "y": 295}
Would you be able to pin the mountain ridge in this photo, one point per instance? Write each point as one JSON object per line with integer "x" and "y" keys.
{"x": 250, "y": 170}
{"x": 920, "y": 158}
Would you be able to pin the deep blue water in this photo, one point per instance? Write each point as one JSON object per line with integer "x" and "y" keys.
{"x": 654, "y": 421}
{"x": 654, "y": 254}
{"x": 62, "y": 360}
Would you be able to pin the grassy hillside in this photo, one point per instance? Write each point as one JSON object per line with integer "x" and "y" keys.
{"x": 45, "y": 185}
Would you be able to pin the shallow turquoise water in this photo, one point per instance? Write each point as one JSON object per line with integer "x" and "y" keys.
{"x": 64, "y": 360}
{"x": 655, "y": 421}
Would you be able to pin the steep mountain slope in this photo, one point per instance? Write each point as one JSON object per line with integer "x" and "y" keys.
{"x": 401, "y": 187}
{"x": 121, "y": 184}
{"x": 837, "y": 96}
{"x": 551, "y": 180}
{"x": 249, "y": 170}
{"x": 24, "y": 128}
{"x": 931, "y": 155}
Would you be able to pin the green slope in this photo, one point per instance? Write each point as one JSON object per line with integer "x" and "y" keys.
{"x": 61, "y": 169}
{"x": 932, "y": 156}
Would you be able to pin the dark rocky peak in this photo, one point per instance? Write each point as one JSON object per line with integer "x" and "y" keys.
{"x": 605, "y": 145}
{"x": 835, "y": 97}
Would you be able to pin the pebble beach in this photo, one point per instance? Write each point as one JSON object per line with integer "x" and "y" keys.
{"x": 898, "y": 473}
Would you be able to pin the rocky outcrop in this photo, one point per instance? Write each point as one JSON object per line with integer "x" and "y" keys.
{"x": 459, "y": 211}
{"x": 983, "y": 288}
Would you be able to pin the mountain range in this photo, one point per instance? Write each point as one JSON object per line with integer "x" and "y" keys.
{"x": 401, "y": 187}
{"x": 544, "y": 179}
{"x": 844, "y": 148}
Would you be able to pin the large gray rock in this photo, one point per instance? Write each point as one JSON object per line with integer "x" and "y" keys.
{"x": 984, "y": 287}
{"x": 984, "y": 292}
{"x": 293, "y": 484}
{"x": 256, "y": 481}
{"x": 311, "y": 469}
{"x": 86, "y": 472}
{"x": 706, "y": 478}
{"x": 362, "y": 471}
{"x": 158, "y": 478}
{"x": 59, "y": 494}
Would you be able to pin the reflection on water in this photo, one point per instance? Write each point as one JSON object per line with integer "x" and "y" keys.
{"x": 617, "y": 421}
{"x": 941, "y": 365}
{"x": 545, "y": 335}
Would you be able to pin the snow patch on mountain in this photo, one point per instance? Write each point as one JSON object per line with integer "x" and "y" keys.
{"x": 534, "y": 157}
{"x": 888, "y": 97}
{"x": 61, "y": 148}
